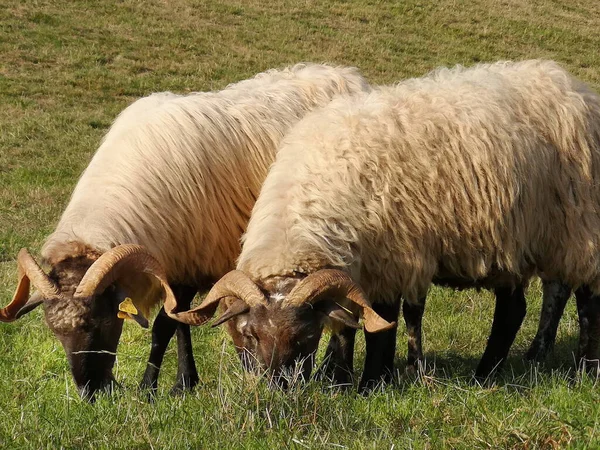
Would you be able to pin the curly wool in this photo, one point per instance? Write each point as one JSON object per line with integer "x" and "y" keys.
{"x": 180, "y": 174}
{"x": 464, "y": 173}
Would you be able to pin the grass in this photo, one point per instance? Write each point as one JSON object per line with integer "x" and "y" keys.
{"x": 68, "y": 68}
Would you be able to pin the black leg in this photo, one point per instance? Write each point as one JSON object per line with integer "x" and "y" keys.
{"x": 508, "y": 317}
{"x": 381, "y": 348}
{"x": 187, "y": 375}
{"x": 556, "y": 295}
{"x": 413, "y": 316}
{"x": 588, "y": 309}
{"x": 163, "y": 330}
{"x": 339, "y": 358}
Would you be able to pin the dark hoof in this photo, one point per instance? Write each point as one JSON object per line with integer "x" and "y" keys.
{"x": 149, "y": 381}
{"x": 371, "y": 383}
{"x": 336, "y": 378}
{"x": 485, "y": 374}
{"x": 367, "y": 387}
{"x": 537, "y": 352}
{"x": 185, "y": 383}
{"x": 148, "y": 384}
{"x": 415, "y": 370}
{"x": 488, "y": 370}
{"x": 413, "y": 373}
{"x": 342, "y": 378}
{"x": 483, "y": 381}
{"x": 148, "y": 389}
{"x": 341, "y": 381}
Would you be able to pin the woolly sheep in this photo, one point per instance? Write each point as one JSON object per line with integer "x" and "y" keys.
{"x": 466, "y": 177}
{"x": 163, "y": 202}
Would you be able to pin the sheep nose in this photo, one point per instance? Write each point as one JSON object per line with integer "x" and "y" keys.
{"x": 89, "y": 390}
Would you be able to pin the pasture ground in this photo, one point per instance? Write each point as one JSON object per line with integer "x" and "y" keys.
{"x": 68, "y": 67}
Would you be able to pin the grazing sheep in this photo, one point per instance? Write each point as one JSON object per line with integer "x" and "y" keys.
{"x": 177, "y": 175}
{"x": 466, "y": 177}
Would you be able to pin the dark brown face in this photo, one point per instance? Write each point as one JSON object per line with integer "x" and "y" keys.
{"x": 88, "y": 328}
{"x": 282, "y": 341}
{"x": 276, "y": 322}
{"x": 89, "y": 331}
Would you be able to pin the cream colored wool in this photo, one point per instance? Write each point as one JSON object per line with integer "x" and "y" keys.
{"x": 180, "y": 174}
{"x": 462, "y": 173}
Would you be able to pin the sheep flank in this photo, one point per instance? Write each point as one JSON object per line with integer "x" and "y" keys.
{"x": 465, "y": 174}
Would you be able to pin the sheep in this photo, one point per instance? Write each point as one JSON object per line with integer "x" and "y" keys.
{"x": 170, "y": 190}
{"x": 465, "y": 177}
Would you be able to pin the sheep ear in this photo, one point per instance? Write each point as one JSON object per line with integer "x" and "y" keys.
{"x": 237, "y": 307}
{"x": 336, "y": 315}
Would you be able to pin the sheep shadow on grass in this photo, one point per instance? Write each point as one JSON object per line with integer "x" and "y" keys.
{"x": 450, "y": 366}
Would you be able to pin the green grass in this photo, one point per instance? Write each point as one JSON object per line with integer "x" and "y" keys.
{"x": 68, "y": 68}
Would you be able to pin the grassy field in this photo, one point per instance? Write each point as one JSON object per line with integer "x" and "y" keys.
{"x": 68, "y": 67}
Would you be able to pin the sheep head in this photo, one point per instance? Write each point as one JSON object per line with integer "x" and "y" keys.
{"x": 81, "y": 298}
{"x": 279, "y": 325}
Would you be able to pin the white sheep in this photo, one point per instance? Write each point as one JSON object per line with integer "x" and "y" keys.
{"x": 177, "y": 175}
{"x": 465, "y": 177}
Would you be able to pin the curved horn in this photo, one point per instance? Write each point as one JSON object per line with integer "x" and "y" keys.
{"x": 29, "y": 272}
{"x": 337, "y": 284}
{"x": 234, "y": 284}
{"x": 117, "y": 261}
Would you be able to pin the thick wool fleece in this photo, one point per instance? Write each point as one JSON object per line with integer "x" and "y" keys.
{"x": 463, "y": 174}
{"x": 180, "y": 174}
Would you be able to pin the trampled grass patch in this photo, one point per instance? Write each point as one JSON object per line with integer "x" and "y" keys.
{"x": 68, "y": 68}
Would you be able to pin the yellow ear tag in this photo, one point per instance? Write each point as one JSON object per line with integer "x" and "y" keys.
{"x": 127, "y": 306}
{"x": 128, "y": 311}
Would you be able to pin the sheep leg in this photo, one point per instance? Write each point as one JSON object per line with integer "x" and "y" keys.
{"x": 413, "y": 317}
{"x": 163, "y": 330}
{"x": 187, "y": 375}
{"x": 508, "y": 317}
{"x": 381, "y": 348}
{"x": 588, "y": 309}
{"x": 339, "y": 358}
{"x": 555, "y": 299}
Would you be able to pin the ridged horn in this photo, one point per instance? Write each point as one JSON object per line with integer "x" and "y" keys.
{"x": 336, "y": 283}
{"x": 234, "y": 284}
{"x": 127, "y": 258}
{"x": 28, "y": 272}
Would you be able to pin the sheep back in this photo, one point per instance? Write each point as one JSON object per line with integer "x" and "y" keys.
{"x": 467, "y": 172}
{"x": 180, "y": 174}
